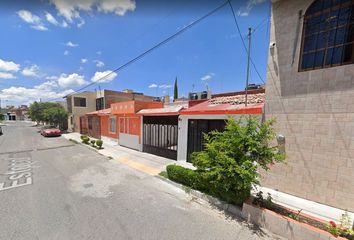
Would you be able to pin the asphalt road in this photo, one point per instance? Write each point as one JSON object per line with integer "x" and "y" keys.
{"x": 51, "y": 188}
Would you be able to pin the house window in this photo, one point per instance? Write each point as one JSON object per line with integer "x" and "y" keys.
{"x": 328, "y": 35}
{"x": 112, "y": 124}
{"x": 99, "y": 103}
{"x": 79, "y": 102}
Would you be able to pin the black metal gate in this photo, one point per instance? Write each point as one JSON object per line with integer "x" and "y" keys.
{"x": 196, "y": 128}
{"x": 160, "y": 135}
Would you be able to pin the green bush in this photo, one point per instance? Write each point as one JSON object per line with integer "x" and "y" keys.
{"x": 181, "y": 175}
{"x": 93, "y": 142}
{"x": 227, "y": 168}
{"x": 99, "y": 143}
{"x": 86, "y": 140}
{"x": 83, "y": 137}
{"x": 231, "y": 158}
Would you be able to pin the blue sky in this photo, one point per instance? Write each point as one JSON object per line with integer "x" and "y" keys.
{"x": 50, "y": 48}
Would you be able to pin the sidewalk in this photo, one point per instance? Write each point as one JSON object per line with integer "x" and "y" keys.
{"x": 145, "y": 162}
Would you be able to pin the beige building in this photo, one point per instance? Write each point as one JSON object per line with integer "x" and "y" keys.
{"x": 78, "y": 105}
{"x": 310, "y": 91}
{"x": 81, "y": 103}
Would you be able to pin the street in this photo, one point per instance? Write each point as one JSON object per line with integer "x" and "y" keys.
{"x": 52, "y": 188}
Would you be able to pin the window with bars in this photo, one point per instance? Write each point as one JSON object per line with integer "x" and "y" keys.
{"x": 328, "y": 35}
{"x": 79, "y": 102}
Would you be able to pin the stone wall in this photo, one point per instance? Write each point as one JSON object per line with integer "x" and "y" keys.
{"x": 315, "y": 113}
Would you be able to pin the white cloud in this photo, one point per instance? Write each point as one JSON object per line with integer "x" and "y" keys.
{"x": 83, "y": 60}
{"x": 117, "y": 7}
{"x": 153, "y": 85}
{"x": 207, "y": 76}
{"x": 99, "y": 63}
{"x": 51, "y": 78}
{"x": 50, "y": 18}
{"x": 32, "y": 71}
{"x": 104, "y": 77}
{"x": 9, "y": 66}
{"x": 81, "y": 23}
{"x": 66, "y": 52}
{"x": 70, "y": 10}
{"x": 5, "y": 75}
{"x": 72, "y": 80}
{"x": 34, "y": 20}
{"x": 39, "y": 27}
{"x": 71, "y": 44}
{"x": 64, "y": 24}
{"x": 44, "y": 91}
{"x": 28, "y": 17}
{"x": 245, "y": 11}
{"x": 165, "y": 86}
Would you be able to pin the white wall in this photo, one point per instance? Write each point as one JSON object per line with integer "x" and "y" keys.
{"x": 130, "y": 141}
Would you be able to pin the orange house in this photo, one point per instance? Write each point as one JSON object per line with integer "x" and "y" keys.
{"x": 123, "y": 122}
{"x": 120, "y": 123}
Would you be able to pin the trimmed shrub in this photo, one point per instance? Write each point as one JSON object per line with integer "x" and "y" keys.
{"x": 99, "y": 143}
{"x": 93, "y": 142}
{"x": 83, "y": 137}
{"x": 86, "y": 140}
{"x": 181, "y": 175}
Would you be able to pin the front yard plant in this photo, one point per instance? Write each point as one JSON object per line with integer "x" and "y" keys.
{"x": 228, "y": 166}
{"x": 85, "y": 139}
{"x": 93, "y": 142}
{"x": 99, "y": 143}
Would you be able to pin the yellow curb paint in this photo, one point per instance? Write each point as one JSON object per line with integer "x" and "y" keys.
{"x": 139, "y": 166}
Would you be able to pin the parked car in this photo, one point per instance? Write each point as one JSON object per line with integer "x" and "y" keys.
{"x": 41, "y": 129}
{"x": 50, "y": 131}
{"x": 0, "y": 130}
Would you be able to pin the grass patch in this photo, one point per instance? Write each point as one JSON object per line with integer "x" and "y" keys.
{"x": 163, "y": 174}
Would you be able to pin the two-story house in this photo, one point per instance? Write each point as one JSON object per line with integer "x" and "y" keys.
{"x": 77, "y": 106}
{"x": 310, "y": 92}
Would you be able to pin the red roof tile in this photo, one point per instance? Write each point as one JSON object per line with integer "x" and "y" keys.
{"x": 229, "y": 105}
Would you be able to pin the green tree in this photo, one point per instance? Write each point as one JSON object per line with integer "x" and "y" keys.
{"x": 49, "y": 112}
{"x": 231, "y": 158}
{"x": 55, "y": 115}
{"x": 175, "y": 90}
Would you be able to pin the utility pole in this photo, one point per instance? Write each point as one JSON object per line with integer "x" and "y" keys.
{"x": 248, "y": 61}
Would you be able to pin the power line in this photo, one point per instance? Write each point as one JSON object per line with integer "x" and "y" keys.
{"x": 154, "y": 47}
{"x": 243, "y": 41}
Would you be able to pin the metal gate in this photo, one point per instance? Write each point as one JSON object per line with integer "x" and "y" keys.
{"x": 196, "y": 128}
{"x": 160, "y": 136}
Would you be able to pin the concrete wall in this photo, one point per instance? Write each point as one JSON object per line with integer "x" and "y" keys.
{"x": 315, "y": 113}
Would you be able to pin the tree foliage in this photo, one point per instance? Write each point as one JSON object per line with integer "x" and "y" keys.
{"x": 231, "y": 158}
{"x": 175, "y": 90}
{"x": 52, "y": 113}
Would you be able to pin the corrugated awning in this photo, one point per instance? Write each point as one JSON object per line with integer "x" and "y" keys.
{"x": 166, "y": 111}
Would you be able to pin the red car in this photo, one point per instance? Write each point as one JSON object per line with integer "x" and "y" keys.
{"x": 51, "y": 132}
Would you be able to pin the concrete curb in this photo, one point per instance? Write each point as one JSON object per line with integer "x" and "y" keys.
{"x": 228, "y": 208}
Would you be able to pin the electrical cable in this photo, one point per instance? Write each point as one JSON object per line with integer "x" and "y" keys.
{"x": 163, "y": 42}
{"x": 243, "y": 41}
